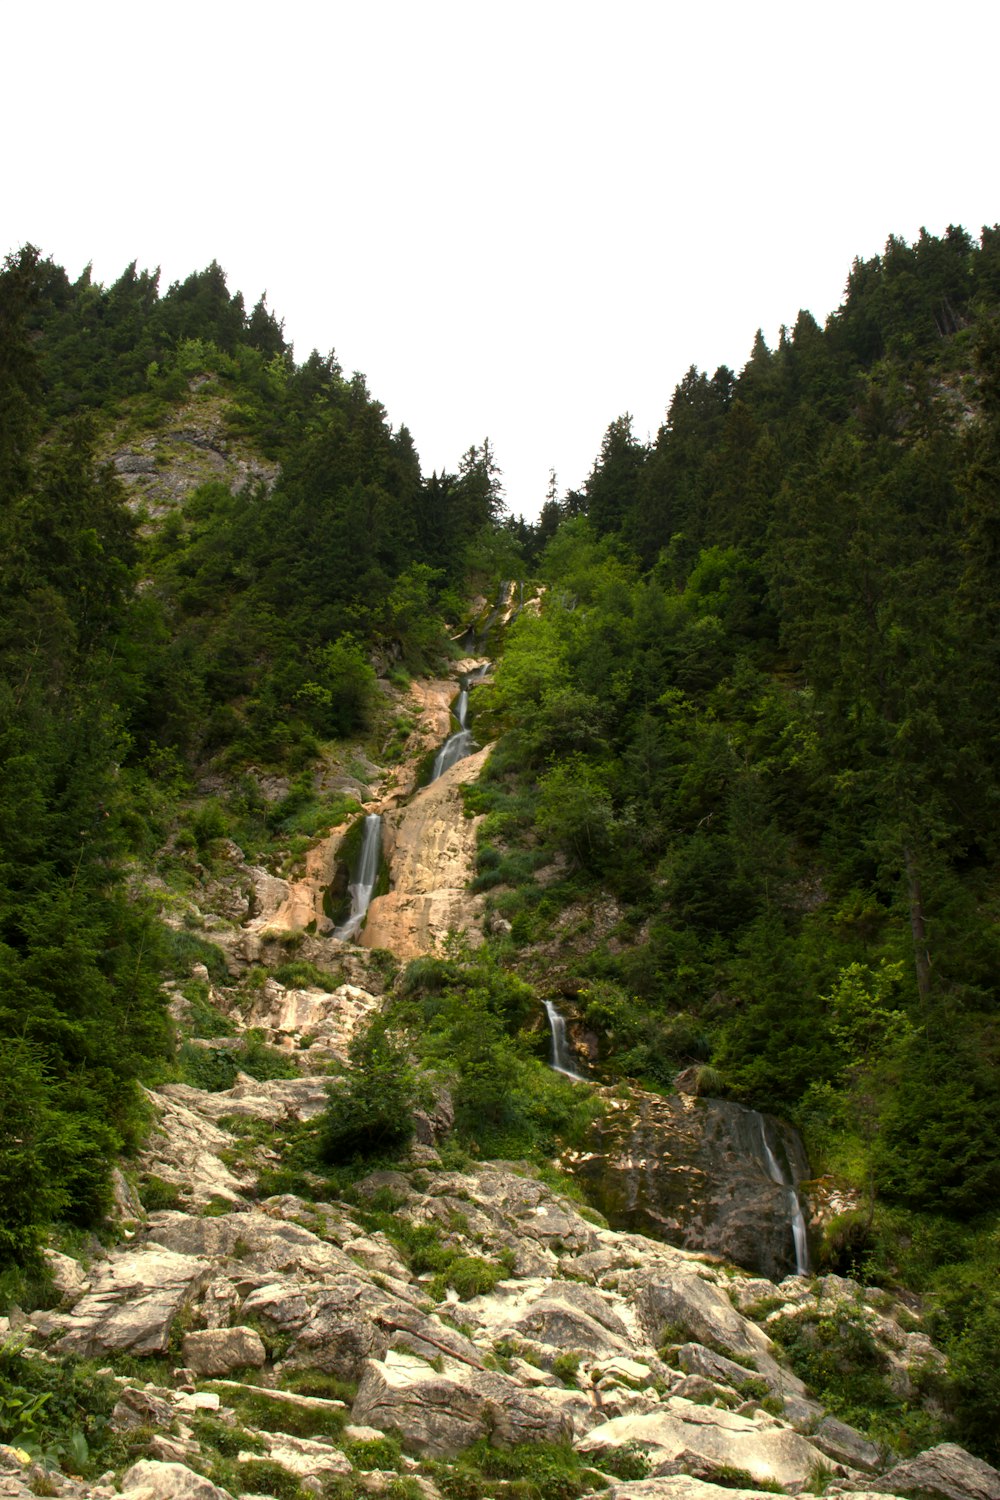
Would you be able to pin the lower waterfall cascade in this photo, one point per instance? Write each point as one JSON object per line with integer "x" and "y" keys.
{"x": 800, "y": 1238}
{"x": 563, "y": 1057}
{"x": 363, "y": 879}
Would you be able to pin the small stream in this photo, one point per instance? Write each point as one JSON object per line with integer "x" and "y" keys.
{"x": 564, "y": 1059}
{"x": 460, "y": 744}
{"x": 800, "y": 1238}
{"x": 363, "y": 878}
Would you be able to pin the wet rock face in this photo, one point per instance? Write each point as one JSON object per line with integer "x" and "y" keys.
{"x": 689, "y": 1171}
{"x": 431, "y": 850}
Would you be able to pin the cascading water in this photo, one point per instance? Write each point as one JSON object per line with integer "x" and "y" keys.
{"x": 364, "y": 875}
{"x": 800, "y": 1239}
{"x": 458, "y": 745}
{"x": 563, "y": 1057}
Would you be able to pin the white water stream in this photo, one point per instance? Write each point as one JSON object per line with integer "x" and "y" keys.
{"x": 563, "y": 1057}
{"x": 800, "y": 1239}
{"x": 458, "y": 745}
{"x": 365, "y": 875}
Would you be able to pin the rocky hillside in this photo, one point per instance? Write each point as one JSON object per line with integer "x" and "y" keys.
{"x": 445, "y": 1327}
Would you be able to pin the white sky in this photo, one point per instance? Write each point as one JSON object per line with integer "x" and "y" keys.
{"x": 519, "y": 220}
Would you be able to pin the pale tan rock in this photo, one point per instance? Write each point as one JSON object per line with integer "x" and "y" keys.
{"x": 431, "y": 849}
{"x": 306, "y": 1457}
{"x": 68, "y": 1276}
{"x": 151, "y": 1479}
{"x": 278, "y": 1099}
{"x": 183, "y": 1149}
{"x": 133, "y": 1301}
{"x": 946, "y": 1472}
{"x": 331, "y": 1019}
{"x": 689, "y": 1301}
{"x": 710, "y": 1436}
{"x": 219, "y": 1351}
{"x": 440, "y": 1412}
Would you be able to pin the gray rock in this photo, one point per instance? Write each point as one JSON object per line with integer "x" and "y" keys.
{"x": 687, "y": 1301}
{"x": 309, "y": 1458}
{"x": 442, "y": 1412}
{"x": 133, "y": 1302}
{"x": 136, "y": 1408}
{"x": 570, "y": 1316}
{"x": 709, "y": 1438}
{"x": 68, "y": 1277}
{"x": 946, "y": 1472}
{"x": 679, "y": 1487}
{"x": 219, "y": 1351}
{"x": 692, "y": 1172}
{"x": 845, "y": 1445}
{"x": 150, "y": 1479}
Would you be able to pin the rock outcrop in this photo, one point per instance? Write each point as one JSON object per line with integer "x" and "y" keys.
{"x": 606, "y": 1339}
{"x": 692, "y": 1172}
{"x": 431, "y": 849}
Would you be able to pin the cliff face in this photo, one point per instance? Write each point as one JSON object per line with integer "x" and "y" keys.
{"x": 694, "y": 1173}
{"x": 430, "y": 847}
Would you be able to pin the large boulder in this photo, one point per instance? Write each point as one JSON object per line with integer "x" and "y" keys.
{"x": 669, "y": 1301}
{"x": 946, "y": 1472}
{"x": 132, "y": 1304}
{"x": 150, "y": 1479}
{"x": 219, "y": 1351}
{"x": 711, "y": 1440}
{"x": 442, "y": 1411}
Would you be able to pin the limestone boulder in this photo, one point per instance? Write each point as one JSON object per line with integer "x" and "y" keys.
{"x": 254, "y": 1245}
{"x": 308, "y": 1458}
{"x": 353, "y": 1321}
{"x": 680, "y": 1299}
{"x": 846, "y": 1445}
{"x": 441, "y": 1412}
{"x": 561, "y": 1316}
{"x": 278, "y": 1100}
{"x": 946, "y": 1472}
{"x": 680, "y": 1487}
{"x": 219, "y": 1351}
{"x": 151, "y": 1479}
{"x": 139, "y": 1408}
{"x": 183, "y": 1149}
{"x": 331, "y": 1019}
{"x": 709, "y": 1439}
{"x": 68, "y": 1277}
{"x": 133, "y": 1301}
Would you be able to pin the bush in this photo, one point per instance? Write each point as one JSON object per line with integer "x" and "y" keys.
{"x": 371, "y": 1109}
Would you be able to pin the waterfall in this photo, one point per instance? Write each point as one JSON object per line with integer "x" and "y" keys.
{"x": 798, "y": 1223}
{"x": 364, "y": 876}
{"x": 563, "y": 1056}
{"x": 458, "y": 745}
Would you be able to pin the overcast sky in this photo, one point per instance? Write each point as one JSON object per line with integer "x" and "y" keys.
{"x": 519, "y": 220}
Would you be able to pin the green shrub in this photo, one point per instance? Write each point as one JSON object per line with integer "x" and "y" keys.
{"x": 299, "y": 974}
{"x": 566, "y": 1367}
{"x": 262, "y": 1476}
{"x": 156, "y": 1194}
{"x": 375, "y": 1453}
{"x": 629, "y": 1462}
{"x": 57, "y": 1411}
{"x": 469, "y": 1275}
